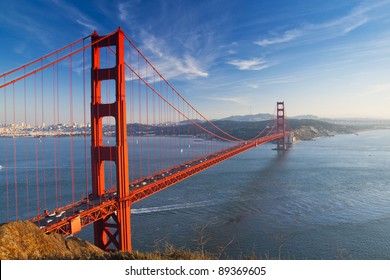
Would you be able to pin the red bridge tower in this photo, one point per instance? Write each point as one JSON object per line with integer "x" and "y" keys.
{"x": 119, "y": 223}
{"x": 280, "y": 125}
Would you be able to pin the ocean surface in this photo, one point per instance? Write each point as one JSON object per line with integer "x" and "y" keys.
{"x": 322, "y": 199}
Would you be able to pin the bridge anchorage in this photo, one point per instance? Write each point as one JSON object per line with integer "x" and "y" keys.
{"x": 160, "y": 139}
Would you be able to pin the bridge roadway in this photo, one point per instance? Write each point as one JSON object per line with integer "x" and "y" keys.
{"x": 91, "y": 209}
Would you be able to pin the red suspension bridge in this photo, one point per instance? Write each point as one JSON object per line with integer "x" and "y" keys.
{"x": 145, "y": 137}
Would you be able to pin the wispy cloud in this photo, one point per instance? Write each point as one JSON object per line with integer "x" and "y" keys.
{"x": 122, "y": 8}
{"x": 89, "y": 25}
{"x": 239, "y": 99}
{"x": 176, "y": 50}
{"x": 191, "y": 66}
{"x": 250, "y": 64}
{"x": 26, "y": 20}
{"x": 287, "y": 36}
{"x": 76, "y": 15}
{"x": 311, "y": 33}
{"x": 254, "y": 86}
{"x": 126, "y": 10}
{"x": 355, "y": 25}
{"x": 171, "y": 66}
{"x": 375, "y": 49}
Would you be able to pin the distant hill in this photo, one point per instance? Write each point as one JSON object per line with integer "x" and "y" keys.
{"x": 305, "y": 117}
{"x": 304, "y": 129}
{"x": 308, "y": 129}
{"x": 249, "y": 118}
{"x": 262, "y": 117}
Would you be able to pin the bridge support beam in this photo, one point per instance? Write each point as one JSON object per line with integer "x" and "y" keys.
{"x": 281, "y": 125}
{"x": 119, "y": 222}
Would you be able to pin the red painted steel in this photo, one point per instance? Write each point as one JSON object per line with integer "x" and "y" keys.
{"x": 108, "y": 208}
{"x": 101, "y": 211}
{"x": 280, "y": 125}
{"x": 120, "y": 222}
{"x": 47, "y": 65}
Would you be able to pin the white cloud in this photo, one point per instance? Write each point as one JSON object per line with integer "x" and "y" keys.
{"x": 79, "y": 17}
{"x": 122, "y": 8}
{"x": 27, "y": 23}
{"x": 355, "y": 25}
{"x": 253, "y": 86}
{"x": 238, "y": 99}
{"x": 191, "y": 67}
{"x": 87, "y": 24}
{"x": 311, "y": 33}
{"x": 171, "y": 66}
{"x": 249, "y": 64}
{"x": 288, "y": 36}
{"x": 127, "y": 10}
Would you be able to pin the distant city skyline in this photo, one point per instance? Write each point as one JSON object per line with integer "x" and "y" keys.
{"x": 324, "y": 58}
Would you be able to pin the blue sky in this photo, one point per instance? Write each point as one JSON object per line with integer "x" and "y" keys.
{"x": 327, "y": 58}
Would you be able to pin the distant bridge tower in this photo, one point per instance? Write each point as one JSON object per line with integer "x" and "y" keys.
{"x": 112, "y": 229}
{"x": 280, "y": 125}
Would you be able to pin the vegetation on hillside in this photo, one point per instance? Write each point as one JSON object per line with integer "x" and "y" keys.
{"x": 304, "y": 129}
{"x": 23, "y": 240}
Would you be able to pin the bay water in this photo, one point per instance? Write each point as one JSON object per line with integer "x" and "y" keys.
{"x": 322, "y": 199}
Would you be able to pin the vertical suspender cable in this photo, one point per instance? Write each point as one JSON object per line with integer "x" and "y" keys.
{"x": 131, "y": 108}
{"x": 85, "y": 124}
{"x": 188, "y": 134}
{"x": 147, "y": 122}
{"x": 14, "y": 142}
{"x": 71, "y": 125}
{"x": 36, "y": 147}
{"x": 55, "y": 138}
{"x": 140, "y": 126}
{"x": 154, "y": 127}
{"x": 26, "y": 146}
{"x": 174, "y": 122}
{"x": 42, "y": 139}
{"x": 58, "y": 133}
{"x": 179, "y": 146}
{"x": 6, "y": 153}
{"x": 169, "y": 126}
{"x": 161, "y": 122}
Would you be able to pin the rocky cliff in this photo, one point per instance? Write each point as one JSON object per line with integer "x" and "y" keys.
{"x": 311, "y": 129}
{"x": 23, "y": 240}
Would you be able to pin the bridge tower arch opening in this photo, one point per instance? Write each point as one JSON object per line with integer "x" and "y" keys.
{"x": 112, "y": 230}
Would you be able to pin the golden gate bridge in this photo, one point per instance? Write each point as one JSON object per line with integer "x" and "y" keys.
{"x": 144, "y": 137}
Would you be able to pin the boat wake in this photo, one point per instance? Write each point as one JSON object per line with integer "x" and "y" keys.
{"x": 173, "y": 207}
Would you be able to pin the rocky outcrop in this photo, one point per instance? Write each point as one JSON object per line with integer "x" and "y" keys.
{"x": 310, "y": 133}
{"x": 311, "y": 129}
{"x": 23, "y": 240}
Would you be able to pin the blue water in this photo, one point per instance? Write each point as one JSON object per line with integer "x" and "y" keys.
{"x": 323, "y": 199}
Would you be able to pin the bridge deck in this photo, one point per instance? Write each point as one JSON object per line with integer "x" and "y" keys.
{"x": 95, "y": 208}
